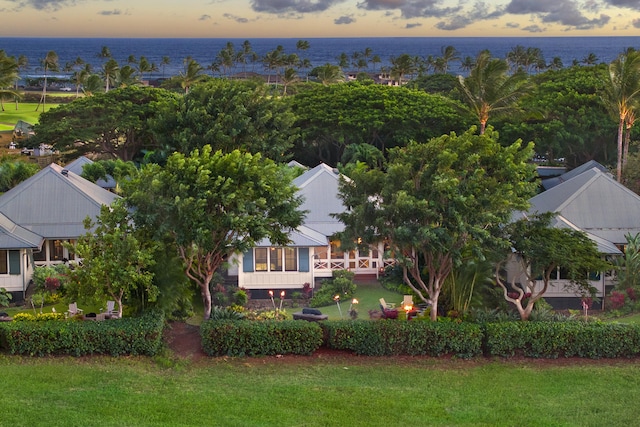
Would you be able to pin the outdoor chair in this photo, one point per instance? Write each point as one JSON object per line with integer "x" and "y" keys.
{"x": 385, "y": 304}
{"x": 408, "y": 300}
{"x": 110, "y": 311}
{"x": 73, "y": 309}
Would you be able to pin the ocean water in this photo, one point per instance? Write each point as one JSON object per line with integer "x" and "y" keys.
{"x": 320, "y": 52}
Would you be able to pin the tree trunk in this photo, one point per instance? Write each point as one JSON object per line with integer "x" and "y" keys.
{"x": 619, "y": 163}
{"x": 206, "y": 299}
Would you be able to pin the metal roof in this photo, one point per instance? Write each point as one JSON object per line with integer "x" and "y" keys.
{"x": 319, "y": 190}
{"x": 77, "y": 165}
{"x": 595, "y": 203}
{"x": 54, "y": 203}
{"x": 12, "y": 236}
{"x": 552, "y": 182}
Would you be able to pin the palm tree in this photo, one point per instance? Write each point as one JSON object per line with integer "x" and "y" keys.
{"x": 92, "y": 84}
{"x": 126, "y": 76}
{"x": 192, "y": 75}
{"x": 164, "y": 62}
{"x": 227, "y": 58}
{"x": 590, "y": 59}
{"x": 104, "y": 53}
{"x": 109, "y": 71}
{"x": 489, "y": 89}
{"x": 329, "y": 74}
{"x": 272, "y": 60}
{"x": 402, "y": 66}
{"x": 289, "y": 77}
{"x": 8, "y": 76}
{"x": 449, "y": 54}
{"x": 375, "y": 59}
{"x": 80, "y": 77}
{"x": 144, "y": 66}
{"x": 49, "y": 63}
{"x": 622, "y": 95}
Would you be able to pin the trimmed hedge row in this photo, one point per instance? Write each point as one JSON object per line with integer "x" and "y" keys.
{"x": 390, "y": 337}
{"x": 562, "y": 339}
{"x": 250, "y": 338}
{"x": 135, "y": 336}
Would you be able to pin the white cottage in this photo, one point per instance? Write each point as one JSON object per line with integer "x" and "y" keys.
{"x": 313, "y": 252}
{"x": 38, "y": 215}
{"x": 593, "y": 202}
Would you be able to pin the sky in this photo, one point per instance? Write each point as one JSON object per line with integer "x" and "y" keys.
{"x": 318, "y": 18}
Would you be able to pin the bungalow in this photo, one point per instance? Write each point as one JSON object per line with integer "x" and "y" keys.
{"x": 38, "y": 215}
{"x": 594, "y": 202}
{"x": 314, "y": 252}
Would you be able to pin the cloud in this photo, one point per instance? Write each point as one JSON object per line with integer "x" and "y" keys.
{"x": 47, "y": 5}
{"x": 411, "y": 8}
{"x": 512, "y": 25}
{"x": 204, "y": 18}
{"x": 533, "y": 29}
{"x": 479, "y": 12}
{"x": 292, "y": 6}
{"x": 636, "y": 23}
{"x": 631, "y": 4}
{"x": 110, "y": 12}
{"x": 238, "y": 19}
{"x": 413, "y": 25}
{"x": 564, "y": 12}
{"x": 346, "y": 19}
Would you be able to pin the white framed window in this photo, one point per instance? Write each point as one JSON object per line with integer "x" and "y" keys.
{"x": 275, "y": 259}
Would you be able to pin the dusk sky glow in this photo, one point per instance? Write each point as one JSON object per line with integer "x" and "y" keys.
{"x": 318, "y": 18}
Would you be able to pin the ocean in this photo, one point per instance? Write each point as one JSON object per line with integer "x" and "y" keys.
{"x": 320, "y": 52}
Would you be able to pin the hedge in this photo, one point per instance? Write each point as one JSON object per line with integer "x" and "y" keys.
{"x": 135, "y": 336}
{"x": 562, "y": 339}
{"x": 263, "y": 338}
{"x": 391, "y": 337}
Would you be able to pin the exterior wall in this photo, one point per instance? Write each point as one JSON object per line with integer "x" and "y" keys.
{"x": 267, "y": 280}
{"x": 16, "y": 282}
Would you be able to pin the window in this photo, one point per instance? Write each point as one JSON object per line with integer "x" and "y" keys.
{"x": 4, "y": 262}
{"x": 261, "y": 259}
{"x": 40, "y": 255}
{"x": 275, "y": 259}
{"x": 321, "y": 253}
{"x": 290, "y": 259}
{"x": 336, "y": 252}
{"x": 56, "y": 250}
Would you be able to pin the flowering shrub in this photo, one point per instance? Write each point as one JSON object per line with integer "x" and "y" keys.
{"x": 631, "y": 293}
{"x": 616, "y": 299}
{"x": 21, "y": 317}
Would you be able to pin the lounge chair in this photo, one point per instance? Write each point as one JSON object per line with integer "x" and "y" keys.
{"x": 73, "y": 310}
{"x": 385, "y": 304}
{"x": 408, "y": 300}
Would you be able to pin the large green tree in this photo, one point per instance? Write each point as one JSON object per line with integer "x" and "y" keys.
{"x": 8, "y": 77}
{"x": 115, "y": 123}
{"x": 537, "y": 249}
{"x": 228, "y": 115}
{"x": 214, "y": 205}
{"x": 437, "y": 200}
{"x": 335, "y": 117}
{"x": 114, "y": 261}
{"x": 572, "y": 121}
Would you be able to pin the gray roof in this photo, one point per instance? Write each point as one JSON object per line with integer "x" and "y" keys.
{"x": 595, "y": 203}
{"x": 54, "y": 204}
{"x": 552, "y": 182}
{"x": 319, "y": 189}
{"x": 302, "y": 237}
{"x": 12, "y": 236}
{"x": 77, "y": 165}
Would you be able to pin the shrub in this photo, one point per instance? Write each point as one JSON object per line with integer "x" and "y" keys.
{"x": 225, "y": 313}
{"x": 247, "y": 338}
{"x": 340, "y": 284}
{"x": 135, "y": 336}
{"x": 390, "y": 337}
{"x": 562, "y": 339}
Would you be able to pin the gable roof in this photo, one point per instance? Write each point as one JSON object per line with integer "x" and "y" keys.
{"x": 595, "y": 203}
{"x": 12, "y": 236}
{"x": 319, "y": 190}
{"x": 552, "y": 182}
{"x": 77, "y": 165}
{"x": 54, "y": 203}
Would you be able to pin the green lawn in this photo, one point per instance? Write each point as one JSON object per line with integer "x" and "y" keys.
{"x": 26, "y": 112}
{"x": 350, "y": 392}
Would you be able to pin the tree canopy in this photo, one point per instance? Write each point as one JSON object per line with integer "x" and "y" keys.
{"x": 228, "y": 115}
{"x": 213, "y": 205}
{"x": 115, "y": 123}
{"x": 334, "y": 117}
{"x": 436, "y": 198}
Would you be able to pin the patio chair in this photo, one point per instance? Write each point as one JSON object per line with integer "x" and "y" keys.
{"x": 385, "y": 304}
{"x": 408, "y": 300}
{"x": 111, "y": 311}
{"x": 73, "y": 309}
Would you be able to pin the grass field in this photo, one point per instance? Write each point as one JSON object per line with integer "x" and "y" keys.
{"x": 26, "y": 112}
{"x": 344, "y": 392}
